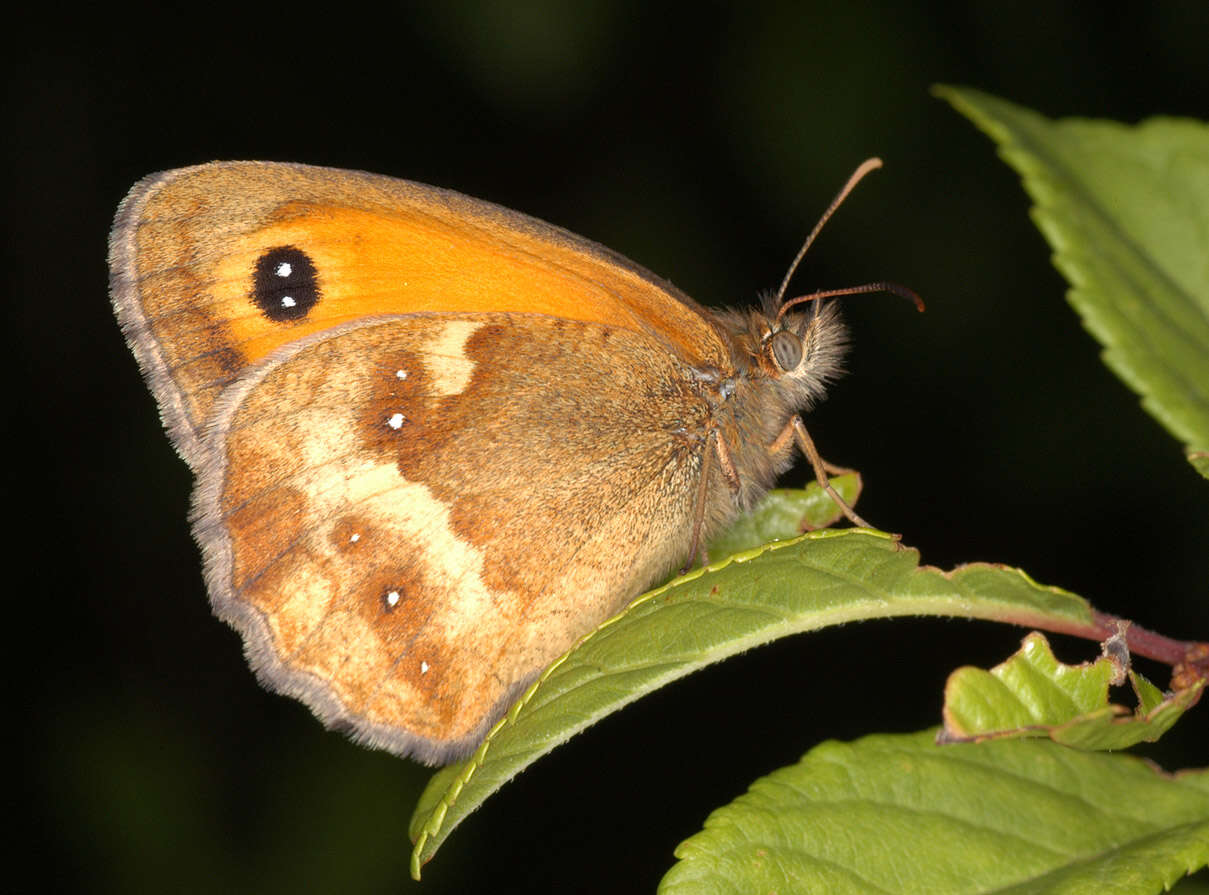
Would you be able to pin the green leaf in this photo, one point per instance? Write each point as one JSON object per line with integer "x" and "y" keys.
{"x": 1126, "y": 211}
{"x": 815, "y": 580}
{"x": 1032, "y": 694}
{"x": 787, "y": 513}
{"x": 900, "y": 814}
{"x": 1200, "y": 462}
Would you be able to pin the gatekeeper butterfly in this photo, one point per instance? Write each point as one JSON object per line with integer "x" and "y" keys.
{"x": 436, "y": 441}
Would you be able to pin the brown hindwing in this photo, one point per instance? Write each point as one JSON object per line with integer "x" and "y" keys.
{"x": 407, "y": 519}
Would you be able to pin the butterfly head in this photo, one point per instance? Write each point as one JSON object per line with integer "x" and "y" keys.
{"x": 797, "y": 352}
{"x": 799, "y": 343}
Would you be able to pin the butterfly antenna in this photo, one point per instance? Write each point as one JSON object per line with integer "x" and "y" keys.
{"x": 893, "y": 288}
{"x": 857, "y": 176}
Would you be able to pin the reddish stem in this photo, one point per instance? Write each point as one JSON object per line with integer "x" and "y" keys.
{"x": 1144, "y": 642}
{"x": 1189, "y": 659}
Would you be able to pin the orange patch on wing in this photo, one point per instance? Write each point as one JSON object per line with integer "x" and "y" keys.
{"x": 379, "y": 246}
{"x": 371, "y": 265}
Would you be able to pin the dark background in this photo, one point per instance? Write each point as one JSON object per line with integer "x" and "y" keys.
{"x": 699, "y": 140}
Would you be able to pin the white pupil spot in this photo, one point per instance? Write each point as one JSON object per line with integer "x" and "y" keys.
{"x": 396, "y": 421}
{"x": 287, "y": 301}
{"x": 392, "y": 598}
{"x": 284, "y": 269}
{"x": 424, "y": 666}
{"x": 401, "y": 374}
{"x": 354, "y": 539}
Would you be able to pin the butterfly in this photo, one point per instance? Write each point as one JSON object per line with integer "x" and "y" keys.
{"x": 436, "y": 441}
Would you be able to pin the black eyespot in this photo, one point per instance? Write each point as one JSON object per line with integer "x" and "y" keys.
{"x": 285, "y": 285}
{"x": 786, "y": 350}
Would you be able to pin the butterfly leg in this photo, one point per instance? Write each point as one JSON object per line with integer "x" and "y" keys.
{"x": 834, "y": 470}
{"x": 795, "y": 429}
{"x": 729, "y": 472}
{"x": 728, "y": 464}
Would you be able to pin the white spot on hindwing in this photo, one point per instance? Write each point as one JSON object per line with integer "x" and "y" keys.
{"x": 396, "y": 420}
{"x": 424, "y": 666}
{"x": 392, "y": 599}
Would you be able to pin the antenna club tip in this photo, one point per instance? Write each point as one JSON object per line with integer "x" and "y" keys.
{"x": 909, "y": 294}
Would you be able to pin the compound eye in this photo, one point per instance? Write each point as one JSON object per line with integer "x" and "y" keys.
{"x": 786, "y": 350}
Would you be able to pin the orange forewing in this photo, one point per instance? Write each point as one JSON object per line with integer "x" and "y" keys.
{"x": 185, "y": 244}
